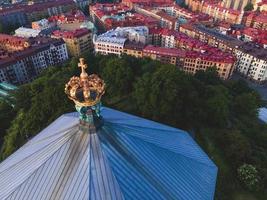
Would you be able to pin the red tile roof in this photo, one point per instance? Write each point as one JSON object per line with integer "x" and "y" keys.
{"x": 12, "y": 40}
{"x": 164, "y": 51}
{"x": 261, "y": 18}
{"x": 199, "y": 48}
{"x": 75, "y": 15}
{"x": 71, "y": 34}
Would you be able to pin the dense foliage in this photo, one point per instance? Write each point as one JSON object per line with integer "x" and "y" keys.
{"x": 249, "y": 7}
{"x": 221, "y": 116}
{"x": 9, "y": 29}
{"x": 249, "y": 176}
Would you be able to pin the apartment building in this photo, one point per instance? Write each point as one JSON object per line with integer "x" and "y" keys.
{"x": 165, "y": 55}
{"x": 256, "y": 20}
{"x": 112, "y": 15}
{"x": 169, "y": 46}
{"x": 22, "y": 14}
{"x": 215, "y": 10}
{"x": 211, "y": 37}
{"x": 134, "y": 3}
{"x": 27, "y": 32}
{"x": 77, "y": 41}
{"x": 21, "y": 59}
{"x": 238, "y": 4}
{"x": 195, "y": 61}
{"x": 133, "y": 49}
{"x": 250, "y": 57}
{"x": 113, "y": 41}
{"x": 191, "y": 61}
{"x": 252, "y": 62}
{"x": 42, "y": 24}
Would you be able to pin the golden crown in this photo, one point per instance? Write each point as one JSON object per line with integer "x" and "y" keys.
{"x": 85, "y": 90}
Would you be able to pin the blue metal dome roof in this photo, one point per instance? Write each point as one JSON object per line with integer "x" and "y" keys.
{"x": 128, "y": 158}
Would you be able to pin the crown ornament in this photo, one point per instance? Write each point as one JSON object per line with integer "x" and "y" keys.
{"x": 86, "y": 90}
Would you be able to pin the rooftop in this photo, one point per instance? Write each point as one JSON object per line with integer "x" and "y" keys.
{"x": 27, "y": 32}
{"x": 119, "y": 15}
{"x": 164, "y": 15}
{"x": 164, "y": 51}
{"x": 69, "y": 17}
{"x": 11, "y": 40}
{"x": 71, "y": 34}
{"x": 112, "y": 40}
{"x": 208, "y": 52}
{"x": 127, "y": 158}
{"x": 36, "y": 45}
{"x": 150, "y": 2}
{"x": 254, "y": 49}
{"x": 121, "y": 34}
{"x": 263, "y": 114}
{"x": 134, "y": 46}
{"x": 35, "y": 7}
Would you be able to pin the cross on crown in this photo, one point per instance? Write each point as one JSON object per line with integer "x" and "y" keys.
{"x": 85, "y": 90}
{"x": 82, "y": 65}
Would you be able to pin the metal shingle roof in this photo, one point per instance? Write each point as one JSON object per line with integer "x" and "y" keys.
{"x": 263, "y": 114}
{"x": 128, "y": 158}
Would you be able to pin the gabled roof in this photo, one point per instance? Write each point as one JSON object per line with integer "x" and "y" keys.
{"x": 128, "y": 158}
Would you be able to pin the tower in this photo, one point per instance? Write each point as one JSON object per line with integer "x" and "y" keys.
{"x": 104, "y": 154}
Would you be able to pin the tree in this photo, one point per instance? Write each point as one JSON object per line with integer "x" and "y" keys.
{"x": 118, "y": 77}
{"x": 249, "y": 7}
{"x": 7, "y": 114}
{"x": 210, "y": 76}
{"x": 246, "y": 105}
{"x": 238, "y": 87}
{"x": 236, "y": 146}
{"x": 217, "y": 105}
{"x": 1, "y": 28}
{"x": 222, "y": 114}
{"x": 183, "y": 5}
{"x": 13, "y": 140}
{"x": 249, "y": 177}
{"x": 163, "y": 96}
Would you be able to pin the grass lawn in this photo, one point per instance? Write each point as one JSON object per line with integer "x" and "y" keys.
{"x": 239, "y": 195}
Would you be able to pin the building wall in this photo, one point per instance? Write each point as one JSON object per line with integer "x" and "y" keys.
{"x": 237, "y": 4}
{"x": 27, "y": 68}
{"x": 192, "y": 65}
{"x": 108, "y": 48}
{"x": 133, "y": 52}
{"x": 18, "y": 18}
{"x": 246, "y": 63}
{"x": 173, "y": 60}
{"x": 76, "y": 46}
{"x": 251, "y": 67}
{"x": 23, "y": 16}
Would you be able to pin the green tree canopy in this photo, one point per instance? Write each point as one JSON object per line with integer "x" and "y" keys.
{"x": 118, "y": 77}
{"x": 221, "y": 115}
{"x": 249, "y": 7}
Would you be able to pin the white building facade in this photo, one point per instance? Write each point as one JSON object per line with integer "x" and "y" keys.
{"x": 26, "y": 32}
{"x": 251, "y": 66}
{"x": 112, "y": 41}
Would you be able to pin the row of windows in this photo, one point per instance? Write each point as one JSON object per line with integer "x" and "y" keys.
{"x": 105, "y": 45}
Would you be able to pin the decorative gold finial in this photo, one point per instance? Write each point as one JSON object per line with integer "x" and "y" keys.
{"x": 83, "y": 66}
{"x": 85, "y": 90}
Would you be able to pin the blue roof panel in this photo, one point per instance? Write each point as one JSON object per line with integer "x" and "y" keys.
{"x": 263, "y": 114}
{"x": 162, "y": 162}
{"x": 127, "y": 158}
